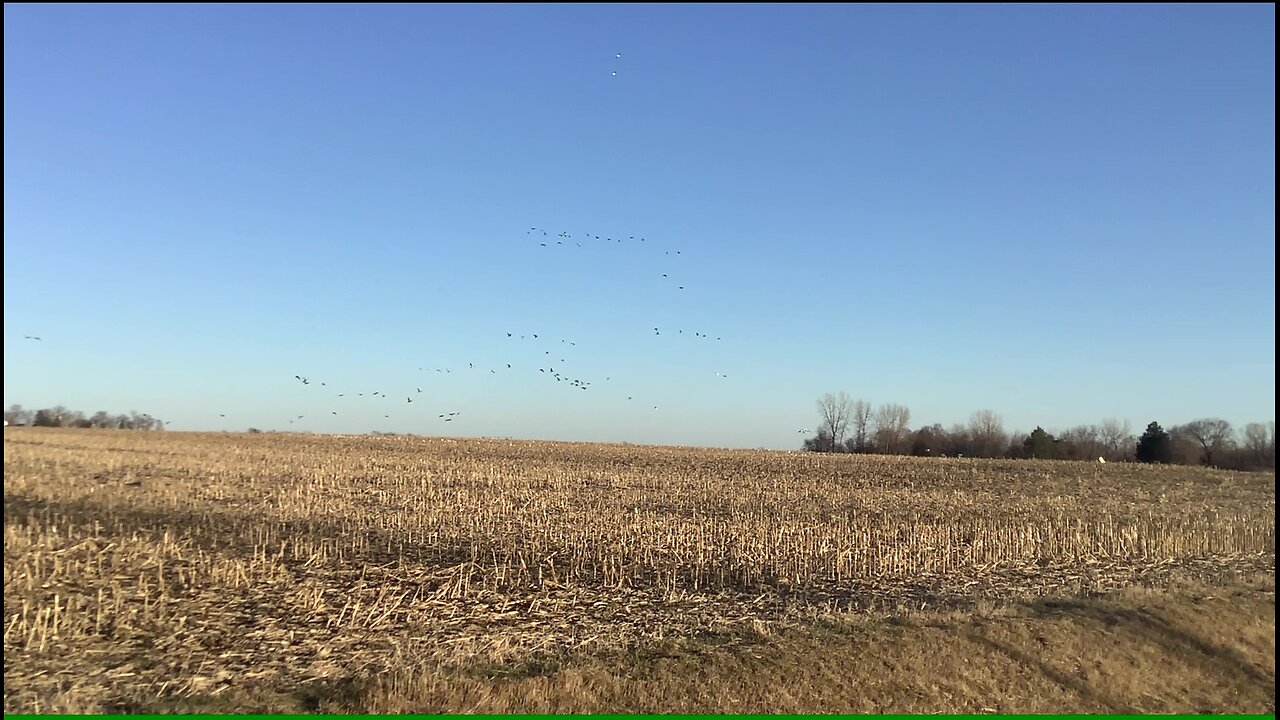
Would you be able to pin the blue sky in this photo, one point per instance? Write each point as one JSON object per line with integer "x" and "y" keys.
{"x": 1062, "y": 213}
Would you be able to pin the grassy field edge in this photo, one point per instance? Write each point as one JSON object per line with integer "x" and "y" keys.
{"x": 1190, "y": 649}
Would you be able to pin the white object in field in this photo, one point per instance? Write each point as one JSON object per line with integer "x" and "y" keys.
{"x": 1102, "y": 461}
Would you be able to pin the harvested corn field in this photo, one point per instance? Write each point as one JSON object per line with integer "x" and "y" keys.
{"x": 158, "y": 567}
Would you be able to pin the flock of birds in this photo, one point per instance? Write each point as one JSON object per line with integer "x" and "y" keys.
{"x": 539, "y": 355}
{"x": 533, "y": 353}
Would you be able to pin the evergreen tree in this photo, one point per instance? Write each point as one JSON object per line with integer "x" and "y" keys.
{"x": 1155, "y": 445}
{"x": 1042, "y": 445}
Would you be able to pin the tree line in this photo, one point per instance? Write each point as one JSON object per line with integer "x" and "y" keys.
{"x": 850, "y": 425}
{"x": 60, "y": 416}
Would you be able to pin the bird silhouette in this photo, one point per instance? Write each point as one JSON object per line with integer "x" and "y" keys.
{"x": 32, "y": 337}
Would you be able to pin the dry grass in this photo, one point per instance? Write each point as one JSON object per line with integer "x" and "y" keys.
{"x": 169, "y": 568}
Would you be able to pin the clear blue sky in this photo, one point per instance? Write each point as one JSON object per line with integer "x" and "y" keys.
{"x": 1062, "y": 213}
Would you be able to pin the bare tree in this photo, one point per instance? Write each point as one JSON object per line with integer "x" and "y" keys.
{"x": 835, "y": 410}
{"x": 1212, "y": 434}
{"x": 861, "y": 425}
{"x": 958, "y": 441}
{"x": 1115, "y": 437}
{"x": 1083, "y": 442}
{"x": 16, "y": 415}
{"x": 892, "y": 429}
{"x": 1260, "y": 440}
{"x": 986, "y": 431}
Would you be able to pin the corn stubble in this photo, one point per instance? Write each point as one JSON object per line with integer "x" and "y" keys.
{"x": 177, "y": 565}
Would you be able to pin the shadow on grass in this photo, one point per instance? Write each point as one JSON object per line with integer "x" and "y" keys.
{"x": 1151, "y": 626}
{"x": 1077, "y": 685}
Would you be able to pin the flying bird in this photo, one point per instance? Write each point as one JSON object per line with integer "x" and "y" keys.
{"x": 31, "y": 337}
